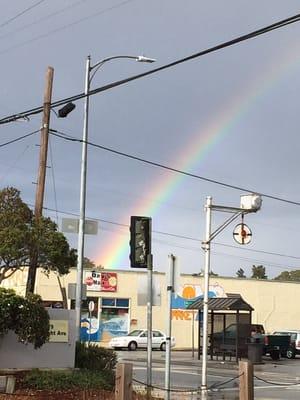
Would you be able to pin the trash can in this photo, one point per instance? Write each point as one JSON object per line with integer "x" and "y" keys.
{"x": 255, "y": 351}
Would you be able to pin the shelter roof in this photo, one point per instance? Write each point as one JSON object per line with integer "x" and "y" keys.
{"x": 232, "y": 302}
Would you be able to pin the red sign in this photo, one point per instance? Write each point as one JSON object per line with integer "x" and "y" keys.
{"x": 89, "y": 281}
{"x": 101, "y": 281}
{"x": 109, "y": 281}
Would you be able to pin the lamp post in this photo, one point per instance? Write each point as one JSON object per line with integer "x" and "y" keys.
{"x": 88, "y": 78}
{"x": 249, "y": 204}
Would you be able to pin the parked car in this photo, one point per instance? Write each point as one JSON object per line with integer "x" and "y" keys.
{"x": 277, "y": 345}
{"x": 227, "y": 339}
{"x": 294, "y": 348}
{"x": 138, "y": 339}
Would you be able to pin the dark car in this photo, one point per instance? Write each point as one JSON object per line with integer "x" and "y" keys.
{"x": 220, "y": 341}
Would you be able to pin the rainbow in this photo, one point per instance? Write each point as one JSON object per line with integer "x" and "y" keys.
{"x": 111, "y": 255}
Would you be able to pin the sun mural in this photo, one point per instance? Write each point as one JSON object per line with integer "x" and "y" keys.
{"x": 188, "y": 292}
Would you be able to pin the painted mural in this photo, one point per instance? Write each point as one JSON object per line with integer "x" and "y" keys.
{"x": 189, "y": 293}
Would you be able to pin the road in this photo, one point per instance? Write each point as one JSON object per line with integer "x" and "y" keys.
{"x": 280, "y": 380}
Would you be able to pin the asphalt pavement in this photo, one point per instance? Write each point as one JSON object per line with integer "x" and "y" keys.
{"x": 278, "y": 380}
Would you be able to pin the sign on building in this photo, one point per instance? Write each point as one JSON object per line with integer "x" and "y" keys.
{"x": 101, "y": 281}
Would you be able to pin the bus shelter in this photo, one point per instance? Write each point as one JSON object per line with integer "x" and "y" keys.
{"x": 229, "y": 324}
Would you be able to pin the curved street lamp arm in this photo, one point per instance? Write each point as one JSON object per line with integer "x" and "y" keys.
{"x": 101, "y": 62}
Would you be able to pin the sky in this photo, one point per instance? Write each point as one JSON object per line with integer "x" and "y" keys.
{"x": 231, "y": 116}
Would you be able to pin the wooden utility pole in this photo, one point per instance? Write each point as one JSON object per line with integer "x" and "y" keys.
{"x": 39, "y": 196}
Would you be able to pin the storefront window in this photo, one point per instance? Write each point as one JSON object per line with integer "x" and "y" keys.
{"x": 114, "y": 317}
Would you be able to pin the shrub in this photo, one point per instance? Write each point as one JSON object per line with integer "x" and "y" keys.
{"x": 64, "y": 380}
{"x": 95, "y": 358}
{"x": 25, "y": 316}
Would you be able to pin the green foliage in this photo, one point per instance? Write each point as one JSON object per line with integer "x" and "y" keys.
{"x": 259, "y": 272}
{"x": 53, "y": 249}
{"x": 95, "y": 358}
{"x": 22, "y": 236}
{"x": 240, "y": 273}
{"x": 63, "y": 380}
{"x": 289, "y": 276}
{"x": 25, "y": 316}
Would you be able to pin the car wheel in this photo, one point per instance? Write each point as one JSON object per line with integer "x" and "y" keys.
{"x": 163, "y": 346}
{"x": 275, "y": 355}
{"x": 290, "y": 354}
{"x": 132, "y": 346}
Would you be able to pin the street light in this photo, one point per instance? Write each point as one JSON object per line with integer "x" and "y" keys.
{"x": 88, "y": 79}
{"x": 249, "y": 203}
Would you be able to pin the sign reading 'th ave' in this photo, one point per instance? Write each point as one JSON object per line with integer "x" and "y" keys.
{"x": 59, "y": 331}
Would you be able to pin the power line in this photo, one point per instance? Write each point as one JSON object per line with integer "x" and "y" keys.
{"x": 163, "y": 166}
{"x": 19, "y": 138}
{"x": 172, "y": 235}
{"x": 46, "y": 17}
{"x": 21, "y": 13}
{"x": 112, "y": 85}
{"x": 45, "y": 35}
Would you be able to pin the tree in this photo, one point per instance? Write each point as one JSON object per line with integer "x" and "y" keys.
{"x": 88, "y": 264}
{"x": 293, "y": 275}
{"x": 21, "y": 235}
{"x": 240, "y": 273}
{"x": 25, "y": 316}
{"x": 259, "y": 272}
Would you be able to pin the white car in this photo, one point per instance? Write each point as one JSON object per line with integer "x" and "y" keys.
{"x": 138, "y": 339}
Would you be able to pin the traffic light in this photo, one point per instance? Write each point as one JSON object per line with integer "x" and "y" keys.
{"x": 140, "y": 241}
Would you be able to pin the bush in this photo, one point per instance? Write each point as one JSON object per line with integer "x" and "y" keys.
{"x": 63, "y": 380}
{"x": 95, "y": 358}
{"x": 25, "y": 316}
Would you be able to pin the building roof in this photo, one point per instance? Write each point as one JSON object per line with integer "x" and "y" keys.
{"x": 232, "y": 302}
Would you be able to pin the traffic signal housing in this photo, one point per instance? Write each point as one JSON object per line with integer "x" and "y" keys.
{"x": 140, "y": 241}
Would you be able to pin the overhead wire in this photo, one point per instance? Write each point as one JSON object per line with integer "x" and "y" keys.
{"x": 172, "y": 169}
{"x": 45, "y": 18}
{"x": 47, "y": 34}
{"x": 13, "y": 165}
{"x": 112, "y": 85}
{"x": 21, "y": 13}
{"x": 169, "y": 234}
{"x": 19, "y": 138}
{"x": 66, "y": 136}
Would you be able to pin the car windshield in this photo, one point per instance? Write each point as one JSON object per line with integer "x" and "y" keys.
{"x": 135, "y": 333}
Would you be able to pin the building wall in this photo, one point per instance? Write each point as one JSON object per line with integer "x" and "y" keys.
{"x": 275, "y": 303}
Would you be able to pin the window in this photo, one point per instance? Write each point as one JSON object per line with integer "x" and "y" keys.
{"x": 112, "y": 302}
{"x": 85, "y": 307}
{"x": 115, "y": 315}
{"x": 108, "y": 302}
{"x": 135, "y": 333}
{"x": 157, "y": 334}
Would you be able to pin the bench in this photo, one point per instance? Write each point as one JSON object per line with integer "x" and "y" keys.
{"x": 226, "y": 350}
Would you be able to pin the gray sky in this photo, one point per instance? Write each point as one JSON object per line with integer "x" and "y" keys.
{"x": 231, "y": 116}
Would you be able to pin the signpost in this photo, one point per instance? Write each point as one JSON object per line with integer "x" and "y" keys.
{"x": 91, "y": 309}
{"x": 141, "y": 257}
